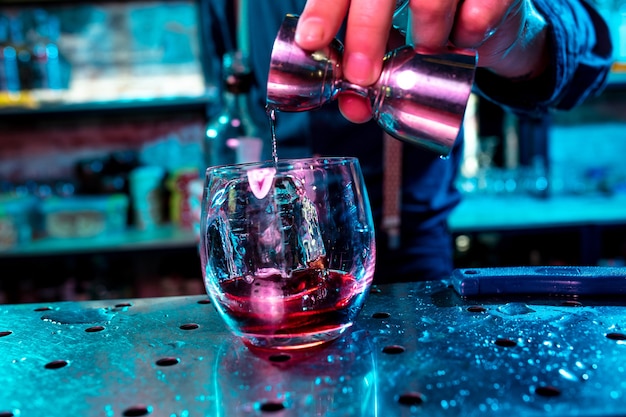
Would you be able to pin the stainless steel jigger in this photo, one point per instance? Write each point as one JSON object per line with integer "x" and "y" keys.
{"x": 420, "y": 99}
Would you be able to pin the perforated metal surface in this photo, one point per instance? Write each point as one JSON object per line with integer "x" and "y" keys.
{"x": 417, "y": 349}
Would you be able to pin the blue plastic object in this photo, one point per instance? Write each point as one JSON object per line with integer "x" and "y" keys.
{"x": 548, "y": 280}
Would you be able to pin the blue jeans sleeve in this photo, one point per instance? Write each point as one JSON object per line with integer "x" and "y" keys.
{"x": 580, "y": 63}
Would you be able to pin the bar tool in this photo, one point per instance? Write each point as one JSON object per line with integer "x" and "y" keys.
{"x": 420, "y": 99}
{"x": 546, "y": 280}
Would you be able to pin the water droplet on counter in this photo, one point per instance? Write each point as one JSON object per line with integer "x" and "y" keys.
{"x": 567, "y": 375}
{"x": 78, "y": 316}
{"x": 515, "y": 309}
{"x": 426, "y": 336}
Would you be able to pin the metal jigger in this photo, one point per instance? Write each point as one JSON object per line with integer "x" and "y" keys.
{"x": 420, "y": 99}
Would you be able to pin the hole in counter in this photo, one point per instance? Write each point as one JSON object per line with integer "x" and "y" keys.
{"x": 571, "y": 303}
{"x": 381, "y": 315}
{"x": 137, "y": 410}
{"x": 616, "y": 336}
{"x": 504, "y": 342}
{"x": 123, "y": 305}
{"x": 279, "y": 357}
{"x": 43, "y": 309}
{"x": 189, "y": 326}
{"x": 5, "y": 333}
{"x": 169, "y": 361}
{"x": 547, "y": 391}
{"x": 393, "y": 349}
{"x": 411, "y": 398}
{"x": 9, "y": 413}
{"x": 204, "y": 301}
{"x": 476, "y": 309}
{"x": 94, "y": 329}
{"x": 271, "y": 406}
{"x": 56, "y": 364}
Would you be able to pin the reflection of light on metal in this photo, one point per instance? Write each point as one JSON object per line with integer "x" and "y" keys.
{"x": 279, "y": 88}
{"x": 211, "y": 133}
{"x": 406, "y": 80}
{"x": 470, "y": 166}
{"x": 261, "y": 180}
{"x": 319, "y": 56}
{"x": 448, "y": 89}
{"x": 441, "y": 131}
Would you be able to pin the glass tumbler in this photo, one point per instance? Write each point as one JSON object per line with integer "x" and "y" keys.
{"x": 287, "y": 249}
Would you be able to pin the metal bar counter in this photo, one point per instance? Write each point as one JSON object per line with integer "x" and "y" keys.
{"x": 416, "y": 349}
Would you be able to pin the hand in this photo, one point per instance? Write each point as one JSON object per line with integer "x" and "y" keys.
{"x": 509, "y": 36}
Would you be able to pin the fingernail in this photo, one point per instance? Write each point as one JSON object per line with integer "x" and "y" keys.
{"x": 359, "y": 69}
{"x": 309, "y": 31}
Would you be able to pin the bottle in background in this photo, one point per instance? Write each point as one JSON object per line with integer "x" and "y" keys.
{"x": 23, "y": 55}
{"x": 231, "y": 134}
{"x": 9, "y": 73}
{"x": 4, "y": 43}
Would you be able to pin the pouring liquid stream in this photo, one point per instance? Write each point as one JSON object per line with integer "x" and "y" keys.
{"x": 271, "y": 114}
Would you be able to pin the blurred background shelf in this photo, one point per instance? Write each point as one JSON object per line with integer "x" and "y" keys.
{"x": 166, "y": 237}
{"x": 9, "y": 112}
{"x": 520, "y": 230}
{"x": 475, "y": 214}
{"x": 489, "y": 213}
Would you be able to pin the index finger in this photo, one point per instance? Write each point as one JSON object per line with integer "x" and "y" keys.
{"x": 367, "y": 30}
{"x": 319, "y": 22}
